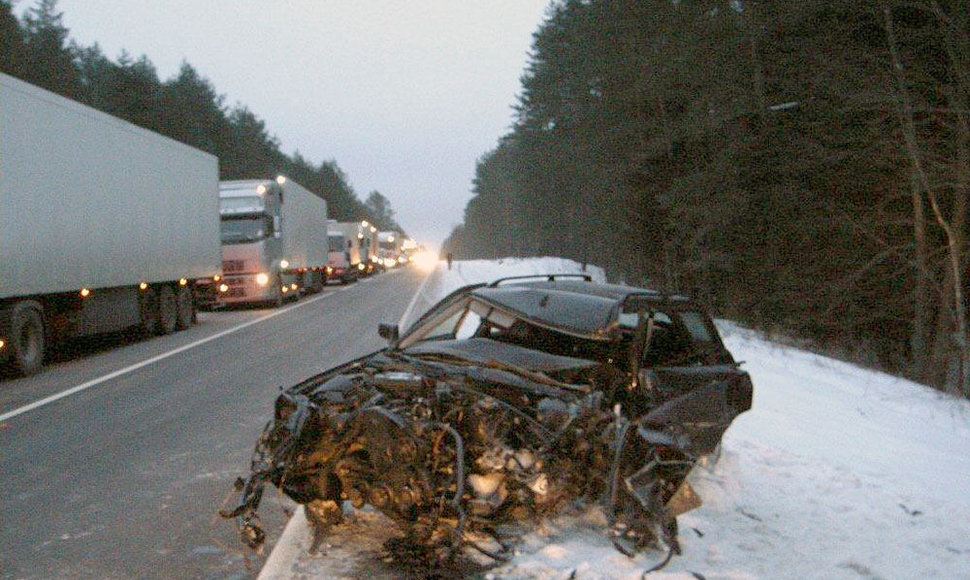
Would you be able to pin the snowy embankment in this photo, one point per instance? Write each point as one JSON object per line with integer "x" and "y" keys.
{"x": 835, "y": 473}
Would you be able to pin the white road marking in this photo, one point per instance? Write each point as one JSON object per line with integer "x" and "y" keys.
{"x": 414, "y": 300}
{"x": 154, "y": 359}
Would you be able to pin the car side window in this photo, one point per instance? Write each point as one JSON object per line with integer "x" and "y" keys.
{"x": 696, "y": 325}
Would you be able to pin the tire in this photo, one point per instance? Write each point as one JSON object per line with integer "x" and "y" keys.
{"x": 185, "y": 308}
{"x": 167, "y": 310}
{"x": 148, "y": 312}
{"x": 277, "y": 300}
{"x": 27, "y": 337}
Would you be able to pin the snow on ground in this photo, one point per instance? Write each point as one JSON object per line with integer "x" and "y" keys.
{"x": 835, "y": 473}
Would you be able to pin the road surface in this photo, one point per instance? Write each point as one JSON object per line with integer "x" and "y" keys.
{"x": 123, "y": 478}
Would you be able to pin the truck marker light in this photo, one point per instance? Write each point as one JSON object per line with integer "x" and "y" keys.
{"x": 284, "y": 264}
{"x": 261, "y": 189}
{"x": 262, "y": 279}
{"x": 183, "y": 282}
{"x": 280, "y": 179}
{"x": 143, "y": 286}
{"x": 223, "y": 287}
{"x": 85, "y": 292}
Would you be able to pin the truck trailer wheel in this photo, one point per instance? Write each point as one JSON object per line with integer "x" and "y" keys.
{"x": 27, "y": 337}
{"x": 148, "y": 312}
{"x": 185, "y": 305}
{"x": 276, "y": 301}
{"x": 167, "y": 310}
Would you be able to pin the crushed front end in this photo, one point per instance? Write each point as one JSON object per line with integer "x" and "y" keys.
{"x": 457, "y": 450}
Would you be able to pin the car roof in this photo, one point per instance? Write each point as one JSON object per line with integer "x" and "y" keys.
{"x": 581, "y": 306}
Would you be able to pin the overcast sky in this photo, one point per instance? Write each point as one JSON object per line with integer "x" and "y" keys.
{"x": 405, "y": 96}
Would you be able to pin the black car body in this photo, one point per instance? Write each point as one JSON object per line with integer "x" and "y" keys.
{"x": 505, "y": 403}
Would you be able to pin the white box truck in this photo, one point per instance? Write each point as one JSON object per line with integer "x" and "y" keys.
{"x": 274, "y": 241}
{"x": 349, "y": 247}
{"x": 105, "y": 225}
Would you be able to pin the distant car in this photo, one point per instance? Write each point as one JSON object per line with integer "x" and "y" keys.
{"x": 504, "y": 403}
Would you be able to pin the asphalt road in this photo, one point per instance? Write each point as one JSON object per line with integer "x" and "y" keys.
{"x": 124, "y": 478}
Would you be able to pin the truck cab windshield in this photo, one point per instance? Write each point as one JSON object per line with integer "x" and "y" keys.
{"x": 247, "y": 228}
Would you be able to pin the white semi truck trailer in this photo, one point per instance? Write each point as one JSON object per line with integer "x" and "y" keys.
{"x": 106, "y": 225}
{"x": 370, "y": 246}
{"x": 389, "y": 250}
{"x": 274, "y": 241}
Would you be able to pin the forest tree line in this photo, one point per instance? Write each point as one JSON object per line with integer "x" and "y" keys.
{"x": 37, "y": 48}
{"x": 802, "y": 167}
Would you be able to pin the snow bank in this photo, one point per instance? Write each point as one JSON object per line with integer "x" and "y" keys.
{"x": 837, "y": 472}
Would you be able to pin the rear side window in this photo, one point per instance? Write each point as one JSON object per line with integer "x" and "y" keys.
{"x": 696, "y": 324}
{"x": 685, "y": 338}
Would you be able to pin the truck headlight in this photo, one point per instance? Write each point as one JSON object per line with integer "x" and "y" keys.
{"x": 262, "y": 279}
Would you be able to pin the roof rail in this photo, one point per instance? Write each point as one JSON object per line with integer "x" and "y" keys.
{"x": 548, "y": 277}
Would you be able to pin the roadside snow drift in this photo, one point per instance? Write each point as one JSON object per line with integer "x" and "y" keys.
{"x": 835, "y": 473}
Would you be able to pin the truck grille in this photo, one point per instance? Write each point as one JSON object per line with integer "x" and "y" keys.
{"x": 230, "y": 266}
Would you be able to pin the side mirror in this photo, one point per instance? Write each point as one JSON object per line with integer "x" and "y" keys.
{"x": 390, "y": 332}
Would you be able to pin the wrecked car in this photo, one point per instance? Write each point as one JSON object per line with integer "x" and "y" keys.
{"x": 504, "y": 404}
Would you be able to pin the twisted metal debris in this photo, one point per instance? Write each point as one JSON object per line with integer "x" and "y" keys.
{"x": 452, "y": 453}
